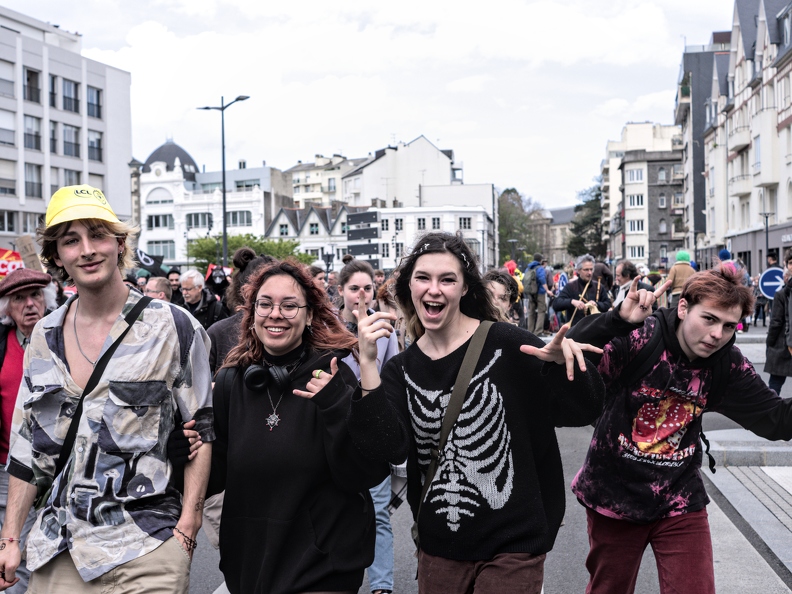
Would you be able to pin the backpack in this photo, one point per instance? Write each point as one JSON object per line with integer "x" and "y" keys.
{"x": 645, "y": 360}
{"x": 529, "y": 281}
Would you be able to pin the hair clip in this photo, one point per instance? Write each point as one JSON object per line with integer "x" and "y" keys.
{"x": 424, "y": 247}
{"x": 464, "y": 257}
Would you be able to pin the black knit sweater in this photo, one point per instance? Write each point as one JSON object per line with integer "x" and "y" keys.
{"x": 297, "y": 514}
{"x": 499, "y": 487}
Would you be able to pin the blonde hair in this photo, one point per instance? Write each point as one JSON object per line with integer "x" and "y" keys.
{"x": 47, "y": 238}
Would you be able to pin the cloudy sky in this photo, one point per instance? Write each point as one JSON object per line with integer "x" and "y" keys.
{"x": 525, "y": 92}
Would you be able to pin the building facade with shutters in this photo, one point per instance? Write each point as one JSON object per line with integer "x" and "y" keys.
{"x": 64, "y": 120}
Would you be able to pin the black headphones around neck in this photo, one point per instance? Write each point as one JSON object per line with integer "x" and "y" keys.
{"x": 258, "y": 378}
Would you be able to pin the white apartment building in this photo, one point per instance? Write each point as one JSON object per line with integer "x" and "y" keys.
{"x": 625, "y": 187}
{"x": 64, "y": 120}
{"x": 749, "y": 139}
{"x": 394, "y": 176}
{"x": 319, "y": 183}
{"x": 179, "y": 203}
{"x": 320, "y": 231}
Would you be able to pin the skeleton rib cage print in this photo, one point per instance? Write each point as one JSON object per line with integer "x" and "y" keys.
{"x": 476, "y": 466}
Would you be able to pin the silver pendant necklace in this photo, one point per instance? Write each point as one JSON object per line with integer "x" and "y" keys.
{"x": 77, "y": 338}
{"x": 274, "y": 419}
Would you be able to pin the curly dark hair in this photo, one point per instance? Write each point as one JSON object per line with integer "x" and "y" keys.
{"x": 507, "y": 280}
{"x": 476, "y": 303}
{"x": 327, "y": 333}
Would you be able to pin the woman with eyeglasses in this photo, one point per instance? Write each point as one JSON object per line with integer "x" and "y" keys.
{"x": 297, "y": 515}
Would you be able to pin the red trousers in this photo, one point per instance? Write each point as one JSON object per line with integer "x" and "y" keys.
{"x": 682, "y": 547}
{"x": 509, "y": 573}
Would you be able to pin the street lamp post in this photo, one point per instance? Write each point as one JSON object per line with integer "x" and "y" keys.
{"x": 766, "y": 216}
{"x": 221, "y": 109}
{"x": 512, "y": 244}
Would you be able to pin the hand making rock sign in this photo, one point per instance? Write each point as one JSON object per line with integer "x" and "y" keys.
{"x": 370, "y": 329}
{"x": 637, "y": 305}
{"x": 562, "y": 350}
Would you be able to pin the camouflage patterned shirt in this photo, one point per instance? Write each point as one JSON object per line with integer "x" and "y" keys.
{"x": 114, "y": 500}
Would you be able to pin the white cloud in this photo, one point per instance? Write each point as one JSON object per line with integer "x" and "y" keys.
{"x": 525, "y": 92}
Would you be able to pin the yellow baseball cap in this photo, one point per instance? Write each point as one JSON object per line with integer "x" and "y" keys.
{"x": 72, "y": 203}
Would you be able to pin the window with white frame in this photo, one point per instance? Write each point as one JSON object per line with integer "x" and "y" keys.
{"x": 7, "y": 221}
{"x": 634, "y": 175}
{"x": 635, "y": 200}
{"x": 200, "y": 220}
{"x": 636, "y": 251}
{"x": 435, "y": 223}
{"x": 164, "y": 221}
{"x": 314, "y": 229}
{"x": 662, "y": 227}
{"x": 72, "y": 177}
{"x": 384, "y": 224}
{"x": 679, "y": 199}
{"x": 240, "y": 218}
{"x": 757, "y": 154}
{"x": 385, "y": 250}
{"x": 421, "y": 224}
{"x": 465, "y": 222}
{"x": 661, "y": 174}
{"x": 343, "y": 226}
{"x": 31, "y": 221}
{"x": 398, "y": 224}
{"x": 283, "y": 230}
{"x": 661, "y": 201}
{"x": 636, "y": 225}
{"x": 165, "y": 248}
{"x": 399, "y": 250}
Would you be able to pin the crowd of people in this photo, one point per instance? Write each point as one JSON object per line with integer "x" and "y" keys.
{"x": 276, "y": 407}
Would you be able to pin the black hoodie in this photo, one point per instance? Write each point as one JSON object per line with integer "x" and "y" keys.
{"x": 644, "y": 458}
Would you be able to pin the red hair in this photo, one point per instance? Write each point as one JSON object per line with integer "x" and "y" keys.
{"x": 722, "y": 285}
{"x": 327, "y": 332}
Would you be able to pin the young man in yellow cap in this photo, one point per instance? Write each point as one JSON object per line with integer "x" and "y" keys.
{"x": 111, "y": 515}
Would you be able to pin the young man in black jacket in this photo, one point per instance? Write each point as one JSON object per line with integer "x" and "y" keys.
{"x": 640, "y": 482}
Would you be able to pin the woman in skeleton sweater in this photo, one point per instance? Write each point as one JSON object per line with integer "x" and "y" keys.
{"x": 496, "y": 502}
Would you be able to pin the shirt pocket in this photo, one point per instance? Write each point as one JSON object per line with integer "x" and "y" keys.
{"x": 48, "y": 400}
{"x": 131, "y": 416}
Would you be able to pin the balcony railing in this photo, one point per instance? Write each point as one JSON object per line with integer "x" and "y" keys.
{"x": 71, "y": 104}
{"x": 33, "y": 189}
{"x": 33, "y": 141}
{"x": 95, "y": 153}
{"x": 740, "y": 185}
{"x": 94, "y": 110}
{"x": 739, "y": 138}
{"x": 32, "y": 94}
{"x": 71, "y": 149}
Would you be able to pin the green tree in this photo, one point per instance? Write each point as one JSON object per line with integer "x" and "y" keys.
{"x": 586, "y": 227}
{"x": 204, "y": 251}
{"x": 515, "y": 222}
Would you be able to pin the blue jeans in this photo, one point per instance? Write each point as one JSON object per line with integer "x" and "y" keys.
{"x": 381, "y": 571}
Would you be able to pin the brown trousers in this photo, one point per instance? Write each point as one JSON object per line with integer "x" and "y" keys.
{"x": 509, "y": 573}
{"x": 165, "y": 570}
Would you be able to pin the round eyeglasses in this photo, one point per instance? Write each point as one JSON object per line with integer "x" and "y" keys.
{"x": 288, "y": 309}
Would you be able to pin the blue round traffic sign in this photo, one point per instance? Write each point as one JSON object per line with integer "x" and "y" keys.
{"x": 771, "y": 280}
